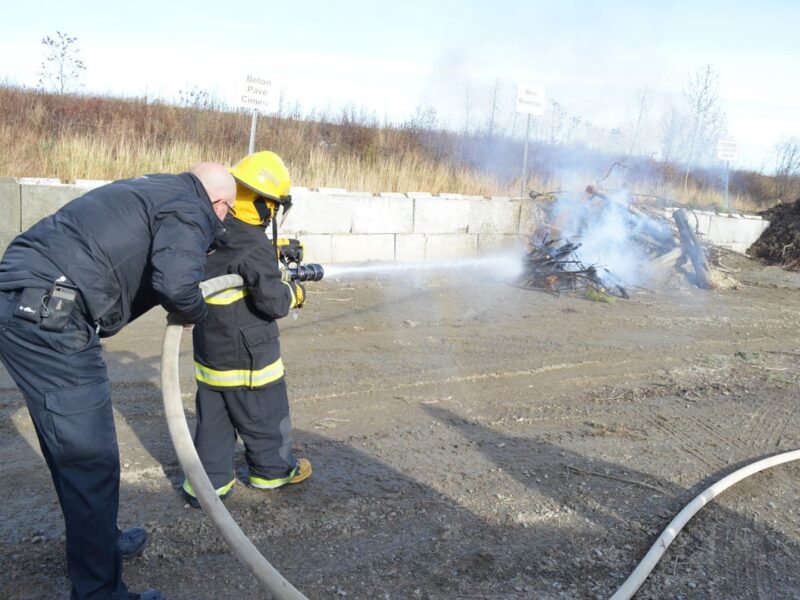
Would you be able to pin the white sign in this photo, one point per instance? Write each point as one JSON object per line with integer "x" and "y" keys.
{"x": 728, "y": 150}
{"x": 256, "y": 93}
{"x": 530, "y": 99}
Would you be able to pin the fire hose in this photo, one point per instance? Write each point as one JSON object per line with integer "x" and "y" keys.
{"x": 266, "y": 574}
{"x": 657, "y": 550}
{"x": 230, "y": 531}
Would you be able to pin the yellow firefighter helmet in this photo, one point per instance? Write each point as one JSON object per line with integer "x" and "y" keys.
{"x": 263, "y": 184}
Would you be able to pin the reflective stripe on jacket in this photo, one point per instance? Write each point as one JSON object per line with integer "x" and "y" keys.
{"x": 237, "y": 345}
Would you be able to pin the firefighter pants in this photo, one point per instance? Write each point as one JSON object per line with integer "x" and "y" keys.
{"x": 260, "y": 417}
{"x": 64, "y": 380}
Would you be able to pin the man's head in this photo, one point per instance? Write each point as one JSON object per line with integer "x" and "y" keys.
{"x": 219, "y": 185}
{"x": 262, "y": 184}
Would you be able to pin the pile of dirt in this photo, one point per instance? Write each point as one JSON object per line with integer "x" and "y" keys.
{"x": 780, "y": 242}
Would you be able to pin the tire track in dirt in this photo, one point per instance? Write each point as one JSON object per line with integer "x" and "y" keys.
{"x": 760, "y": 431}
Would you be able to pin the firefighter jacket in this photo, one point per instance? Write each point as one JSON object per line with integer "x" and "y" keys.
{"x": 236, "y": 346}
{"x": 126, "y": 246}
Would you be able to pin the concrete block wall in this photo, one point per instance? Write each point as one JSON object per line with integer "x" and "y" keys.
{"x": 337, "y": 226}
{"x": 727, "y": 230}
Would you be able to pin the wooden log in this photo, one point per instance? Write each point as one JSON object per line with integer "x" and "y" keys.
{"x": 693, "y": 249}
{"x": 667, "y": 260}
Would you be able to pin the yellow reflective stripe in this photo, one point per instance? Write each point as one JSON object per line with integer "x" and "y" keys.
{"x": 187, "y": 487}
{"x": 239, "y": 377}
{"x": 228, "y": 296}
{"x": 291, "y": 291}
{"x": 258, "y": 482}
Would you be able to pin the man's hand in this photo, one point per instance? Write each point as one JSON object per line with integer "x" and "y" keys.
{"x": 173, "y": 319}
{"x": 285, "y": 275}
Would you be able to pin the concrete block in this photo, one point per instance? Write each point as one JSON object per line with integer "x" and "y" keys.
{"x": 490, "y": 243}
{"x": 383, "y": 215}
{"x": 320, "y": 213}
{"x": 488, "y": 216}
{"x": 5, "y": 239}
{"x": 9, "y": 205}
{"x": 354, "y": 248}
{"x": 39, "y": 201}
{"x": 419, "y": 195}
{"x": 332, "y": 191}
{"x": 90, "y": 184}
{"x": 438, "y": 215}
{"x": 700, "y": 221}
{"x": 316, "y": 249}
{"x": 392, "y": 195}
{"x": 750, "y": 230}
{"x": 532, "y": 214}
{"x": 722, "y": 230}
{"x": 39, "y": 181}
{"x": 409, "y": 247}
{"x": 450, "y": 245}
{"x": 298, "y": 189}
{"x": 500, "y": 198}
{"x": 450, "y": 196}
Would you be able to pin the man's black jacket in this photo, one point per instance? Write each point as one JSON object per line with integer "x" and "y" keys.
{"x": 126, "y": 246}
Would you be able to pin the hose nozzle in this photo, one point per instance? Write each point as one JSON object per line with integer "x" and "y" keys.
{"x": 307, "y": 272}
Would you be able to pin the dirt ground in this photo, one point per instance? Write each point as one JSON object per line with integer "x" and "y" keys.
{"x": 470, "y": 439}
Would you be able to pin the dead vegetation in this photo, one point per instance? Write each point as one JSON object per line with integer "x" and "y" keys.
{"x": 93, "y": 137}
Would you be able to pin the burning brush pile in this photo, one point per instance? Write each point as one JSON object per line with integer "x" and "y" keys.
{"x": 601, "y": 246}
{"x": 553, "y": 265}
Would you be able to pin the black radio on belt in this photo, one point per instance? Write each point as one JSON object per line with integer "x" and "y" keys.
{"x": 51, "y": 310}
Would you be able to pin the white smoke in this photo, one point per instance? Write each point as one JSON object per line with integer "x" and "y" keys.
{"x": 610, "y": 236}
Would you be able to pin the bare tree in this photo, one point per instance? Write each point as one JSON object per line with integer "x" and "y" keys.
{"x": 706, "y": 121}
{"x": 672, "y": 126}
{"x": 491, "y": 123}
{"x": 62, "y": 67}
{"x": 787, "y": 166}
{"x": 467, "y": 106}
{"x": 641, "y": 108}
{"x": 557, "y": 117}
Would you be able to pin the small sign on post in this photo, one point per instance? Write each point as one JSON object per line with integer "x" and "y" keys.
{"x": 530, "y": 100}
{"x": 257, "y": 94}
{"x": 727, "y": 150}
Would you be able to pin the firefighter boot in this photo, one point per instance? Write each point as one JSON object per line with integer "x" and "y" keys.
{"x": 300, "y": 473}
{"x": 188, "y": 493}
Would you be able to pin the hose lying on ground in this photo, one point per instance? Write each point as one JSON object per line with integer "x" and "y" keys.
{"x": 648, "y": 563}
{"x": 238, "y": 542}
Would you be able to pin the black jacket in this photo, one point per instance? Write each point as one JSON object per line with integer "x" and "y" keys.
{"x": 126, "y": 246}
{"x": 236, "y": 346}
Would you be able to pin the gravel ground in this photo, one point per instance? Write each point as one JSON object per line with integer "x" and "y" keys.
{"x": 470, "y": 439}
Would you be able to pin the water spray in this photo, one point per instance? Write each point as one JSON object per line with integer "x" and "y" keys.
{"x": 506, "y": 265}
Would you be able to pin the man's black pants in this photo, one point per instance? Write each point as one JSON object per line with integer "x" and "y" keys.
{"x": 65, "y": 383}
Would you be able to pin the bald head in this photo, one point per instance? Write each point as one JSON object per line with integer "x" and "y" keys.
{"x": 218, "y": 183}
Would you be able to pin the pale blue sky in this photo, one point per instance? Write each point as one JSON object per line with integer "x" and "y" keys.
{"x": 592, "y": 57}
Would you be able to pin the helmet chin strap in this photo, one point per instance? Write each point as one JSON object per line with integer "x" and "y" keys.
{"x": 275, "y": 234}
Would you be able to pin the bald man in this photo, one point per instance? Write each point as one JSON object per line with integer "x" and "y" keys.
{"x": 76, "y": 276}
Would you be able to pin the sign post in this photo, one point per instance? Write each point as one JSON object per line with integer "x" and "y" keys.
{"x": 727, "y": 150}
{"x": 257, "y": 94}
{"x": 530, "y": 100}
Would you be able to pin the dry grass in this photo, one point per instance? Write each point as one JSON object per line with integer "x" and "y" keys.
{"x": 76, "y": 137}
